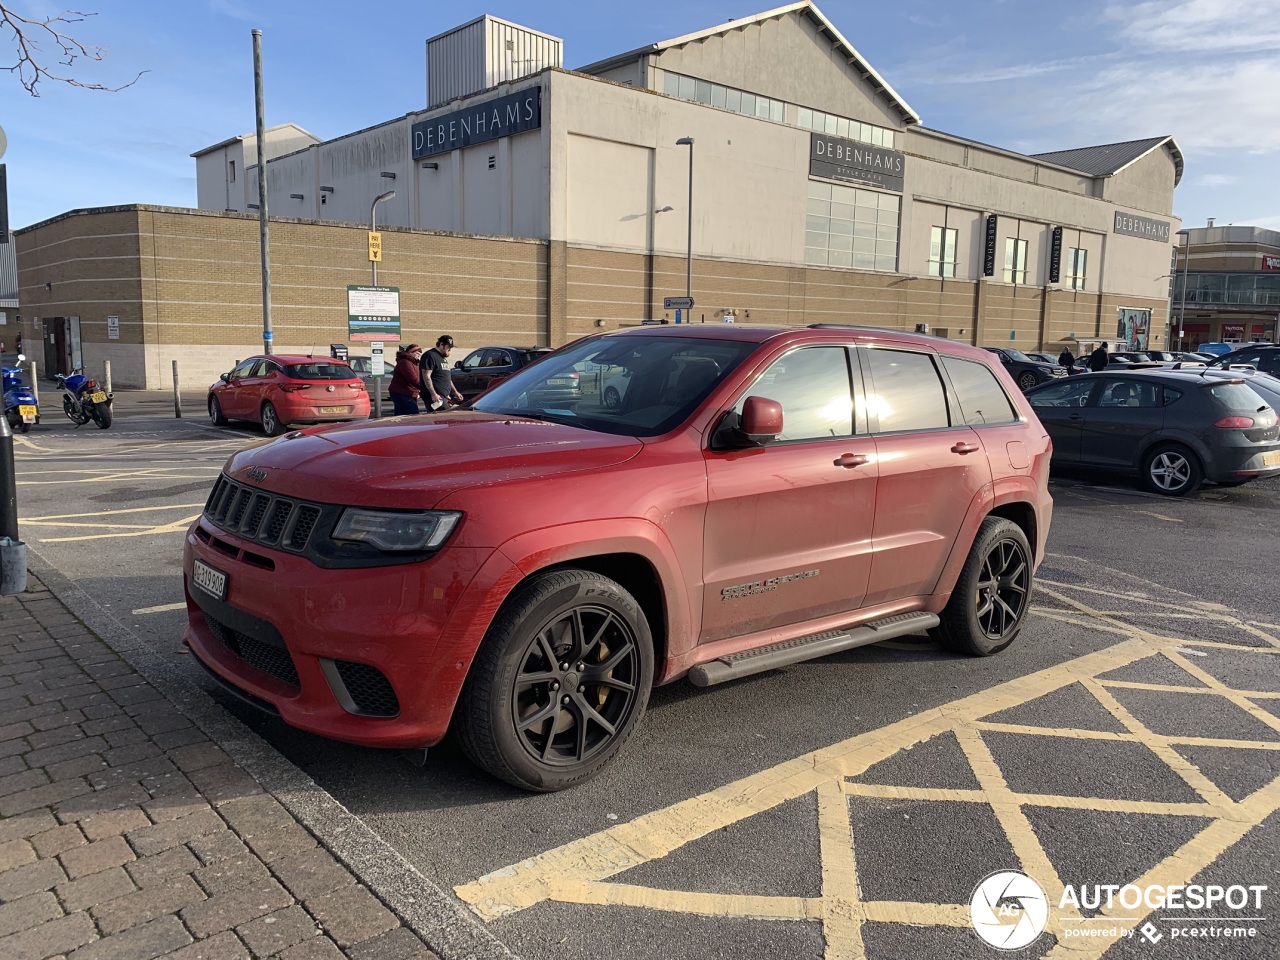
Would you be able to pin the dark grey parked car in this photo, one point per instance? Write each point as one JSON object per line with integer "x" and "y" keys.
{"x": 1172, "y": 428}
{"x": 473, "y": 374}
{"x": 1264, "y": 357}
{"x": 1026, "y": 372}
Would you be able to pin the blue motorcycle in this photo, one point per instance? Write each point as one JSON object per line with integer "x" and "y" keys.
{"x": 19, "y": 402}
{"x": 84, "y": 399}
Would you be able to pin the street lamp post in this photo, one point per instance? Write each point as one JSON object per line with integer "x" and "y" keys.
{"x": 1186, "y": 265}
{"x": 373, "y": 225}
{"x": 688, "y": 273}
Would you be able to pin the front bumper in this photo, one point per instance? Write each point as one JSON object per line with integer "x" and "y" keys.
{"x": 366, "y": 655}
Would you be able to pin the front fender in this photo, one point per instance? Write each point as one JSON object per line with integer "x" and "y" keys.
{"x": 559, "y": 545}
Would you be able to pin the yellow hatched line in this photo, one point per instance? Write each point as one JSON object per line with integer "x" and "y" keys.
{"x": 111, "y": 513}
{"x": 1237, "y": 697}
{"x": 841, "y": 926}
{"x": 884, "y": 792}
{"x": 1179, "y": 867}
{"x": 657, "y": 834}
{"x": 1169, "y": 688}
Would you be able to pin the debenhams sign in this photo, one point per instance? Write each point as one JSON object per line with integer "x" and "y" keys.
{"x": 490, "y": 120}
{"x": 1144, "y": 227}
{"x": 856, "y": 162}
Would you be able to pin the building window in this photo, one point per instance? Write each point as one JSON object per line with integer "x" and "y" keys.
{"x": 1015, "y": 260}
{"x": 844, "y": 127}
{"x": 942, "y": 252}
{"x": 1076, "y": 259}
{"x": 851, "y": 227}
{"x": 727, "y": 98}
{"x": 232, "y": 175}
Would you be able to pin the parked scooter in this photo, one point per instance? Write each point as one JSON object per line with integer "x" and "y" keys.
{"x": 19, "y": 401}
{"x": 84, "y": 400}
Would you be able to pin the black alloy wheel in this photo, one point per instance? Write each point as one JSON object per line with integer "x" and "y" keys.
{"x": 990, "y": 599}
{"x": 560, "y": 682}
{"x": 1027, "y": 380}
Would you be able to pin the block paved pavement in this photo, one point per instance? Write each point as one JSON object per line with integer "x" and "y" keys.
{"x": 126, "y": 832}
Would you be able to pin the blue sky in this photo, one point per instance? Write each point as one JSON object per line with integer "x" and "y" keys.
{"x": 1029, "y": 77}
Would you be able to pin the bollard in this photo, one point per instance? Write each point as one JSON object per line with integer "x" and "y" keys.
{"x": 377, "y": 398}
{"x": 35, "y": 383}
{"x": 13, "y": 552}
{"x": 177, "y": 397}
{"x": 106, "y": 377}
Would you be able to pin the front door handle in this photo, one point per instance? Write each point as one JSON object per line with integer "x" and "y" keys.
{"x": 965, "y": 447}
{"x": 851, "y": 460}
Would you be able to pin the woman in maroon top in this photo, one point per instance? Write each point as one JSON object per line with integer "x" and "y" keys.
{"x": 404, "y": 380}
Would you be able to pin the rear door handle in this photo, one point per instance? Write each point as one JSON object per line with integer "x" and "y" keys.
{"x": 851, "y": 460}
{"x": 965, "y": 447}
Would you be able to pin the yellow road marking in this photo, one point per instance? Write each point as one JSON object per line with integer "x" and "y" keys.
{"x": 1159, "y": 516}
{"x": 579, "y": 872}
{"x": 111, "y": 513}
{"x": 177, "y": 526}
{"x": 162, "y": 608}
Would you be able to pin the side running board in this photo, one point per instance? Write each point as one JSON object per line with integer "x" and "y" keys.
{"x": 776, "y": 655}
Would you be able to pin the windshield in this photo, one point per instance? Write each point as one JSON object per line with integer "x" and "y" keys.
{"x": 1018, "y": 355}
{"x": 640, "y": 386}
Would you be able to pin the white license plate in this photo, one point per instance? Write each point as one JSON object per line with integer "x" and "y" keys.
{"x": 335, "y": 409}
{"x": 211, "y": 581}
{"x": 1271, "y": 459}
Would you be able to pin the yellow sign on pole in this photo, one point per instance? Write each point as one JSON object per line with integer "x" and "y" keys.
{"x": 375, "y": 247}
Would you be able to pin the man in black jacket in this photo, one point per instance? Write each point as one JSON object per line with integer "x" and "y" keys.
{"x": 1099, "y": 359}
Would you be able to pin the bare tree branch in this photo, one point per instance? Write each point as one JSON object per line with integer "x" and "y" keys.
{"x": 31, "y": 65}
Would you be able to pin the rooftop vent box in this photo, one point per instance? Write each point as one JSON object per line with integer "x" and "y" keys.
{"x": 484, "y": 53}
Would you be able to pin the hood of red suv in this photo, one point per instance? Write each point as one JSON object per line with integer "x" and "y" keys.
{"x": 415, "y": 464}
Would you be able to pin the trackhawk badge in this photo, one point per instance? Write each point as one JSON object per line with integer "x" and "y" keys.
{"x": 256, "y": 474}
{"x": 762, "y": 586}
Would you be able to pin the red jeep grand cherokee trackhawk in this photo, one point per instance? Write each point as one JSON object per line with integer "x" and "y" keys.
{"x": 526, "y": 570}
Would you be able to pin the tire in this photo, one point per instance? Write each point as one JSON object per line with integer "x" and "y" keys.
{"x": 1172, "y": 470}
{"x": 991, "y": 597}
{"x": 215, "y": 413}
{"x": 551, "y": 730}
{"x": 271, "y": 424}
{"x": 101, "y": 413}
{"x": 23, "y": 427}
{"x": 612, "y": 398}
{"x": 1026, "y": 380}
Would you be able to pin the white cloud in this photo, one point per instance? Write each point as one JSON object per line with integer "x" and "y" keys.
{"x": 1216, "y": 180}
{"x": 233, "y": 10}
{"x": 1199, "y": 26}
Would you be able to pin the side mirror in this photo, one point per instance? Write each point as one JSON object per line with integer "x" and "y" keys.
{"x": 457, "y": 364}
{"x": 225, "y": 378}
{"x": 22, "y": 357}
{"x": 761, "y": 421}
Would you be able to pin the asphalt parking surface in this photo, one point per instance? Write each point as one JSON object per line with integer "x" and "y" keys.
{"x": 843, "y": 807}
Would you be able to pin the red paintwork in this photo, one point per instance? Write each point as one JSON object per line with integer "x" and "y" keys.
{"x": 243, "y": 399}
{"x": 888, "y": 521}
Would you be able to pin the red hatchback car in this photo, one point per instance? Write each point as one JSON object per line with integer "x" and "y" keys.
{"x": 526, "y": 570}
{"x": 280, "y": 390}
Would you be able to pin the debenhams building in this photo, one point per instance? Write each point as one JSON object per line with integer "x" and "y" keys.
{"x": 534, "y": 204}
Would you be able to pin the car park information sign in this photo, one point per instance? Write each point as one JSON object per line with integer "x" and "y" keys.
{"x": 373, "y": 313}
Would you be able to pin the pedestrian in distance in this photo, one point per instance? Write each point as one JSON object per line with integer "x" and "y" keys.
{"x": 434, "y": 380}
{"x": 1099, "y": 359}
{"x": 1066, "y": 360}
{"x": 404, "y": 380}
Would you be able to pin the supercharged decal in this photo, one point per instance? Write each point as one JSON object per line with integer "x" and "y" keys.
{"x": 762, "y": 586}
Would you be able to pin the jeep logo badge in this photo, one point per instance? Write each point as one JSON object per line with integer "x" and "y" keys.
{"x": 256, "y": 474}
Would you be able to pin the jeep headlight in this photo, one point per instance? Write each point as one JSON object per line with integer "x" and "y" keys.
{"x": 394, "y": 531}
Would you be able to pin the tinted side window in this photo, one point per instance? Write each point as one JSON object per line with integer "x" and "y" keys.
{"x": 982, "y": 399}
{"x": 1171, "y": 395}
{"x": 1126, "y": 393}
{"x": 906, "y": 391}
{"x": 1073, "y": 392}
{"x": 472, "y": 359}
{"x": 242, "y": 369}
{"x": 813, "y": 387}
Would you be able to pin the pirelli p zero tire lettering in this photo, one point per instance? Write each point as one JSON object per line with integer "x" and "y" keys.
{"x": 990, "y": 600}
{"x": 559, "y": 683}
